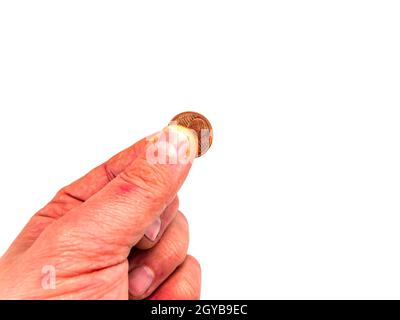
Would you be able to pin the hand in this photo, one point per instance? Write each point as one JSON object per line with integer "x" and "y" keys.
{"x": 115, "y": 233}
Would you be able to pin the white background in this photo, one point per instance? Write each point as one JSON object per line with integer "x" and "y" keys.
{"x": 299, "y": 195}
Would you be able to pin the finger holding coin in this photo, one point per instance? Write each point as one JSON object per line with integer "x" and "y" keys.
{"x": 200, "y": 125}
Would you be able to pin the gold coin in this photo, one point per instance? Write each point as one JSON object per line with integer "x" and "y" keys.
{"x": 198, "y": 123}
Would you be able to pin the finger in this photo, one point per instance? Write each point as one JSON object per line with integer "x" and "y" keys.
{"x": 112, "y": 221}
{"x": 184, "y": 284}
{"x": 158, "y": 227}
{"x": 149, "y": 268}
{"x": 82, "y": 189}
{"x": 73, "y": 195}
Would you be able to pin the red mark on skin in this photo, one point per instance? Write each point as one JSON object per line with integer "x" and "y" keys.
{"x": 126, "y": 187}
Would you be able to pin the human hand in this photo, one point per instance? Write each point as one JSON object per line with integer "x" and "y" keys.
{"x": 116, "y": 233}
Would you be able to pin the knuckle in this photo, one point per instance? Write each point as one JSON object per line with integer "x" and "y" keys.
{"x": 190, "y": 286}
{"x": 189, "y": 289}
{"x": 109, "y": 171}
{"x": 194, "y": 262}
{"x": 182, "y": 225}
{"x": 176, "y": 202}
{"x": 176, "y": 251}
{"x": 183, "y": 221}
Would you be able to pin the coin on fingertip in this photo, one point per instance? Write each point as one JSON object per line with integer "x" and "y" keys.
{"x": 200, "y": 125}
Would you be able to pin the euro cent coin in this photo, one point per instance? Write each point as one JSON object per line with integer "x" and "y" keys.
{"x": 198, "y": 123}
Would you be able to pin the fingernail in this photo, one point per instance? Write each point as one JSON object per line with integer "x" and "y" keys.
{"x": 174, "y": 145}
{"x": 140, "y": 280}
{"x": 185, "y": 141}
{"x": 153, "y": 230}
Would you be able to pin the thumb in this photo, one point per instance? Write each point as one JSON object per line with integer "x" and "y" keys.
{"x": 113, "y": 220}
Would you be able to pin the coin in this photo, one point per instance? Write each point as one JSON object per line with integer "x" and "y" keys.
{"x": 198, "y": 123}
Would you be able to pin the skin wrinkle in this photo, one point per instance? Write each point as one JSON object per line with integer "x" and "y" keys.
{"x": 187, "y": 289}
{"x": 57, "y": 208}
{"x": 147, "y": 193}
{"x": 109, "y": 247}
{"x": 109, "y": 172}
{"x": 148, "y": 179}
{"x": 174, "y": 249}
{"x": 67, "y": 248}
{"x": 70, "y": 195}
